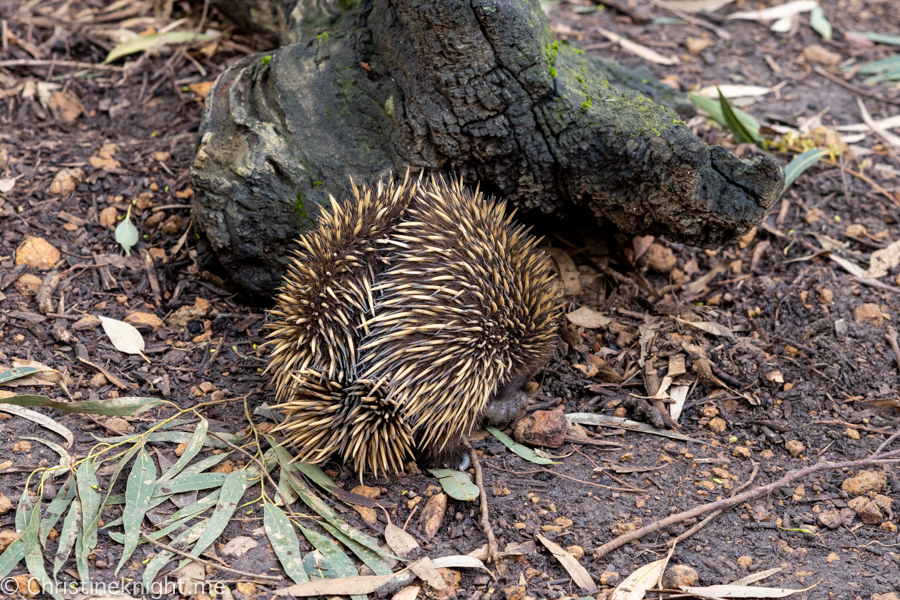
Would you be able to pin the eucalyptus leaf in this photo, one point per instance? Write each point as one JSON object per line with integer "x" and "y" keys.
{"x": 878, "y": 38}
{"x": 17, "y": 373}
{"x": 191, "y": 450}
{"x": 284, "y": 542}
{"x": 145, "y": 42}
{"x": 138, "y": 492}
{"x": 112, "y": 407}
{"x": 57, "y": 507}
{"x": 124, "y": 336}
{"x": 800, "y": 164}
{"x": 164, "y": 556}
{"x": 520, "y": 450}
{"x": 457, "y": 484}
{"x": 233, "y": 488}
{"x": 340, "y": 563}
{"x": 67, "y": 537}
{"x": 20, "y": 548}
{"x": 87, "y": 486}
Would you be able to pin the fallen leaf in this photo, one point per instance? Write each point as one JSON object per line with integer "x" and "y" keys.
{"x": 734, "y": 91}
{"x": 695, "y": 6}
{"x": 782, "y": 11}
{"x": 588, "y": 318}
{"x": 186, "y": 314}
{"x": 639, "y": 50}
{"x": 818, "y": 54}
{"x": 239, "y": 546}
{"x": 123, "y": 336}
{"x": 7, "y": 185}
{"x": 108, "y": 216}
{"x": 883, "y": 261}
{"x": 142, "y": 318}
{"x": 127, "y": 234}
{"x": 579, "y": 574}
{"x": 66, "y": 107}
{"x": 65, "y": 181}
{"x": 37, "y": 253}
{"x": 202, "y": 88}
{"x": 635, "y": 586}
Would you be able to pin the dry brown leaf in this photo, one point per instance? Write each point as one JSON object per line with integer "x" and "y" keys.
{"x": 568, "y": 272}
{"x": 37, "y": 253}
{"x": 709, "y": 327}
{"x": 202, "y": 88}
{"x": 109, "y": 215}
{"x": 639, "y": 50}
{"x": 66, "y": 107}
{"x": 142, "y": 318}
{"x": 186, "y": 314}
{"x": 65, "y": 181}
{"x": 46, "y": 375}
{"x": 588, "y": 318}
{"x": 433, "y": 514}
{"x": 579, "y": 574}
{"x": 635, "y": 586}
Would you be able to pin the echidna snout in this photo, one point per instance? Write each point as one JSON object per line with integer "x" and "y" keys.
{"x": 509, "y": 403}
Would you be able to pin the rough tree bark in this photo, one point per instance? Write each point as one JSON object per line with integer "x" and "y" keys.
{"x": 477, "y": 87}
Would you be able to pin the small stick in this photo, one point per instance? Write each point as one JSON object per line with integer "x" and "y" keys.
{"x": 31, "y": 62}
{"x": 493, "y": 551}
{"x": 852, "y": 87}
{"x": 735, "y": 500}
{"x": 207, "y": 563}
{"x": 876, "y": 284}
{"x": 891, "y": 336}
{"x": 886, "y": 193}
{"x": 716, "y": 513}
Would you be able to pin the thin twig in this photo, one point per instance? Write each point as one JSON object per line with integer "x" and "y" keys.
{"x": 207, "y": 563}
{"x": 493, "y": 551}
{"x": 887, "y": 194}
{"x": 716, "y": 513}
{"x": 853, "y": 88}
{"x": 735, "y": 500}
{"x": 35, "y": 62}
{"x": 876, "y": 284}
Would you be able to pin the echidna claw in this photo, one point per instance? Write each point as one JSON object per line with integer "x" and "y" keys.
{"x": 465, "y": 463}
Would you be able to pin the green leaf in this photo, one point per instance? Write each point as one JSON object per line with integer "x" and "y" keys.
{"x": 457, "y": 484}
{"x": 819, "y": 22}
{"x": 236, "y": 483}
{"x": 113, "y": 407}
{"x": 192, "y": 510}
{"x": 145, "y": 42}
{"x": 714, "y": 110}
{"x": 800, "y": 164}
{"x": 20, "y": 548}
{"x": 175, "y": 437}
{"x": 284, "y": 542}
{"x": 126, "y": 233}
{"x": 315, "y": 474}
{"x": 206, "y": 463}
{"x": 160, "y": 560}
{"x": 879, "y": 66}
{"x": 17, "y": 373}
{"x": 138, "y": 492}
{"x": 67, "y": 537}
{"x": 740, "y": 131}
{"x": 340, "y": 563}
{"x": 878, "y": 38}
{"x": 86, "y": 480}
{"x": 156, "y": 535}
{"x": 313, "y": 501}
{"x": 192, "y": 482}
{"x": 522, "y": 451}
{"x": 57, "y": 507}
{"x": 373, "y": 560}
{"x": 190, "y": 451}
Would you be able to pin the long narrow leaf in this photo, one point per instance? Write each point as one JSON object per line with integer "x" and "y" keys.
{"x": 191, "y": 482}
{"x": 878, "y": 38}
{"x": 138, "y": 492}
{"x": 175, "y": 437}
{"x": 57, "y": 507}
{"x": 160, "y": 560}
{"x": 86, "y": 478}
{"x": 17, "y": 373}
{"x": 743, "y": 135}
{"x": 373, "y": 560}
{"x": 34, "y": 562}
{"x": 192, "y": 510}
{"x": 341, "y": 565}
{"x": 313, "y": 501}
{"x": 145, "y": 42}
{"x": 113, "y": 407}
{"x": 67, "y": 537}
{"x": 236, "y": 483}
{"x": 284, "y": 542}
{"x": 20, "y": 548}
{"x": 714, "y": 110}
{"x": 190, "y": 451}
{"x": 800, "y": 164}
{"x": 522, "y": 451}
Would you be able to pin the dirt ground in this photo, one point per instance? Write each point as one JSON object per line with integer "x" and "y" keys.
{"x": 788, "y": 360}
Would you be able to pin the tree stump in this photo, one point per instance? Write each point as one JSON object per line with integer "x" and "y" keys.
{"x": 481, "y": 89}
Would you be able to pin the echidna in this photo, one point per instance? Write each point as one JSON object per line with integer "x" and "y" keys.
{"x": 414, "y": 311}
